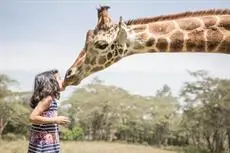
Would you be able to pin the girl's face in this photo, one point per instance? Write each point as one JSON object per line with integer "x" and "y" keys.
{"x": 60, "y": 81}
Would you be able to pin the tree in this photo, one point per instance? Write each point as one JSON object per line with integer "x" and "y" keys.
{"x": 4, "y": 108}
{"x": 206, "y": 111}
{"x": 5, "y": 81}
{"x": 164, "y": 92}
{"x": 111, "y": 113}
{"x": 11, "y": 111}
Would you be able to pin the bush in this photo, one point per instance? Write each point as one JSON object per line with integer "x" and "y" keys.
{"x": 13, "y": 137}
{"x": 145, "y": 143}
{"x": 75, "y": 134}
{"x": 78, "y": 133}
{"x": 66, "y": 134}
{"x": 9, "y": 137}
{"x": 192, "y": 149}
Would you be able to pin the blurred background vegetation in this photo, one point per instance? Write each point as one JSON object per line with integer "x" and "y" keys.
{"x": 196, "y": 121}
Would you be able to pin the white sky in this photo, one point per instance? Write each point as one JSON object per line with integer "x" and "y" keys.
{"x": 40, "y": 35}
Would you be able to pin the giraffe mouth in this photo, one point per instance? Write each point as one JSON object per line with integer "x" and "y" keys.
{"x": 72, "y": 81}
{"x": 75, "y": 83}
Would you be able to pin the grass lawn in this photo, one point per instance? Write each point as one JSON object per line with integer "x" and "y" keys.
{"x": 20, "y": 146}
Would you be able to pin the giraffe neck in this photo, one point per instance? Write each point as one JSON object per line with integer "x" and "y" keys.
{"x": 207, "y": 33}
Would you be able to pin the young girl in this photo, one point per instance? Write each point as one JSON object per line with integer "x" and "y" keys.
{"x": 44, "y": 136}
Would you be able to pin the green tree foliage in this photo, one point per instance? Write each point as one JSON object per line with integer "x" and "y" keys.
{"x": 5, "y": 81}
{"x": 111, "y": 113}
{"x": 206, "y": 112}
{"x": 76, "y": 133}
{"x": 13, "y": 115}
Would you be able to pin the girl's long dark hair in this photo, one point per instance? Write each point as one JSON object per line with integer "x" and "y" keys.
{"x": 45, "y": 84}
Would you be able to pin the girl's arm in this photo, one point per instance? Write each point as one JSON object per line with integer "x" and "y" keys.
{"x": 43, "y": 105}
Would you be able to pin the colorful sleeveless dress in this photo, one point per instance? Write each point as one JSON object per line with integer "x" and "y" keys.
{"x": 44, "y": 138}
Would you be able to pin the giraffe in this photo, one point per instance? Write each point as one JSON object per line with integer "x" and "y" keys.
{"x": 206, "y": 31}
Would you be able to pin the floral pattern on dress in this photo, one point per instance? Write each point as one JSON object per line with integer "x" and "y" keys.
{"x": 48, "y": 114}
{"x": 44, "y": 138}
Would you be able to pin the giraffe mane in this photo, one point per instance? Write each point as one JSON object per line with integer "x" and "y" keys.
{"x": 178, "y": 16}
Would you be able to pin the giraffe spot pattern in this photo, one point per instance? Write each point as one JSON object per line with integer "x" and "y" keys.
{"x": 115, "y": 52}
{"x": 87, "y": 61}
{"x": 142, "y": 36}
{"x": 188, "y": 24}
{"x": 161, "y": 28}
{"x": 196, "y": 41}
{"x": 150, "y": 42}
{"x": 102, "y": 60}
{"x": 97, "y": 68}
{"x": 214, "y": 37}
{"x": 162, "y": 44}
{"x": 225, "y": 47}
{"x": 225, "y": 22}
{"x": 152, "y": 50}
{"x": 209, "y": 21}
{"x": 139, "y": 28}
{"x": 177, "y": 41}
{"x": 109, "y": 56}
{"x": 127, "y": 44}
{"x": 117, "y": 59}
{"x": 112, "y": 46}
{"x": 120, "y": 51}
{"x": 138, "y": 46}
{"x": 93, "y": 61}
{"x": 108, "y": 64}
{"x": 87, "y": 68}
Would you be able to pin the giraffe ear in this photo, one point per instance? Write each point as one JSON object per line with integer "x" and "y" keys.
{"x": 122, "y": 32}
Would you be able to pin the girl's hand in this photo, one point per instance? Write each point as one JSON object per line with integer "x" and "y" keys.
{"x": 62, "y": 120}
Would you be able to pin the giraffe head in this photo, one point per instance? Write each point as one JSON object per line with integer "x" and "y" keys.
{"x": 104, "y": 46}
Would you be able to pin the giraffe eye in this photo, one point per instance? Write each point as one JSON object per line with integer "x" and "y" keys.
{"x": 101, "y": 44}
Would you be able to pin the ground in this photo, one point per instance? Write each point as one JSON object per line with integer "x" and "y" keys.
{"x": 83, "y": 147}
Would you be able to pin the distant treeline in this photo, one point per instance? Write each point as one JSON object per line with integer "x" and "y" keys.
{"x": 196, "y": 120}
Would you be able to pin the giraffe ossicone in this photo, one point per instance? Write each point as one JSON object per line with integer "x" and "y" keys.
{"x": 200, "y": 31}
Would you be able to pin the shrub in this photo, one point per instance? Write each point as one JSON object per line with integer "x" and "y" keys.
{"x": 9, "y": 137}
{"x": 75, "y": 134}
{"x": 192, "y": 149}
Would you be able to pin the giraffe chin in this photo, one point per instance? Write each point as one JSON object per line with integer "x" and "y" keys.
{"x": 73, "y": 83}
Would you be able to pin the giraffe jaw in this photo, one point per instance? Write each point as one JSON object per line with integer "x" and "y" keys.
{"x": 76, "y": 83}
{"x": 73, "y": 81}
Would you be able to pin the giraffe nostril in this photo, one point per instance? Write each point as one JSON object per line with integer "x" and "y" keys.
{"x": 69, "y": 72}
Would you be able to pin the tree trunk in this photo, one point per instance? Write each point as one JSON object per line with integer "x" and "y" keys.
{"x": 228, "y": 133}
{"x": 2, "y": 126}
{"x": 219, "y": 142}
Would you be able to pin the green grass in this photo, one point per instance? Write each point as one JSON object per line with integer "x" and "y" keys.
{"x": 20, "y": 146}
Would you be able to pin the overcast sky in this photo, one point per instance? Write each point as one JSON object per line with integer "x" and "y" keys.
{"x": 37, "y": 35}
